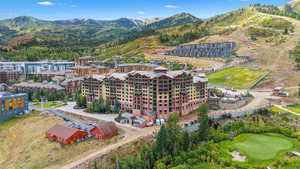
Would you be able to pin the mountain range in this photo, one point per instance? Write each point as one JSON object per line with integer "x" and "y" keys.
{"x": 84, "y": 32}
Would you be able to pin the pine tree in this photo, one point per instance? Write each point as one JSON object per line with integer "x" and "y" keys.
{"x": 107, "y": 105}
{"x": 161, "y": 141}
{"x": 101, "y": 106}
{"x": 203, "y": 119}
{"x": 116, "y": 106}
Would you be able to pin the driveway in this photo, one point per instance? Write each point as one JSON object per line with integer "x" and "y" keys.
{"x": 70, "y": 108}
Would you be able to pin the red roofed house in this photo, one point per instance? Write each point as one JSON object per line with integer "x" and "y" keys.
{"x": 287, "y": 102}
{"x": 66, "y": 135}
{"x": 105, "y": 130}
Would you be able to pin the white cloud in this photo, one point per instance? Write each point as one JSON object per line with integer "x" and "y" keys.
{"x": 170, "y": 6}
{"x": 46, "y": 3}
{"x": 140, "y": 12}
{"x": 73, "y": 6}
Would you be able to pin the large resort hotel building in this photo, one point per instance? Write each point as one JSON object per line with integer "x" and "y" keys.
{"x": 149, "y": 94}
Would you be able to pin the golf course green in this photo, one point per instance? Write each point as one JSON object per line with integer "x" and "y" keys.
{"x": 262, "y": 147}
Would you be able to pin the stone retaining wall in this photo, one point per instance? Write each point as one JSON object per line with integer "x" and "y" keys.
{"x": 204, "y": 50}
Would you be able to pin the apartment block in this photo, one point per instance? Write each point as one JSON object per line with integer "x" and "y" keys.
{"x": 149, "y": 94}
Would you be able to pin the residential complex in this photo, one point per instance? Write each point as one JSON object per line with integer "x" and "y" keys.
{"x": 84, "y": 60}
{"x": 8, "y": 75}
{"x": 36, "y": 67}
{"x": 99, "y": 68}
{"x": 12, "y": 105}
{"x": 72, "y": 85}
{"x": 124, "y": 68}
{"x": 149, "y": 94}
{"x": 90, "y": 70}
{"x": 29, "y": 87}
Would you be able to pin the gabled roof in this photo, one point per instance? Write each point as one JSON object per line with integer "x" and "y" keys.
{"x": 61, "y": 131}
{"x": 150, "y": 74}
{"x": 65, "y": 82}
{"x": 120, "y": 76}
{"x": 108, "y": 127}
{"x": 197, "y": 79}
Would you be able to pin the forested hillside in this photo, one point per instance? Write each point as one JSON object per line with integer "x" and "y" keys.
{"x": 22, "y": 38}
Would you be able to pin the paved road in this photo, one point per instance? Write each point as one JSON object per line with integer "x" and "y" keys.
{"x": 260, "y": 100}
{"x": 70, "y": 108}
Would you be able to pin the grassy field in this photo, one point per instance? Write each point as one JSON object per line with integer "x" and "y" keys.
{"x": 24, "y": 146}
{"x": 262, "y": 147}
{"x": 48, "y": 104}
{"x": 240, "y": 78}
{"x": 276, "y": 110}
{"x": 295, "y": 108}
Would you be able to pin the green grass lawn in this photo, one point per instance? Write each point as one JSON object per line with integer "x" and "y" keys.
{"x": 262, "y": 147}
{"x": 48, "y": 104}
{"x": 240, "y": 78}
{"x": 276, "y": 110}
{"x": 295, "y": 108}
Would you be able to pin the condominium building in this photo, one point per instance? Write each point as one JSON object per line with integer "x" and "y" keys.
{"x": 84, "y": 60}
{"x": 90, "y": 70}
{"x": 30, "y": 87}
{"x": 8, "y": 75}
{"x": 36, "y": 67}
{"x": 149, "y": 94}
{"x": 128, "y": 67}
{"x": 72, "y": 85}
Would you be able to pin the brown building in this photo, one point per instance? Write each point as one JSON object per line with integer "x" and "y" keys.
{"x": 8, "y": 75}
{"x": 72, "y": 84}
{"x": 85, "y": 60}
{"x": 28, "y": 87}
{"x": 90, "y": 70}
{"x": 149, "y": 94}
{"x": 92, "y": 86}
{"x": 125, "y": 68}
{"x": 47, "y": 75}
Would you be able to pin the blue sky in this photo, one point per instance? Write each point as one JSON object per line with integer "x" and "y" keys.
{"x": 113, "y": 9}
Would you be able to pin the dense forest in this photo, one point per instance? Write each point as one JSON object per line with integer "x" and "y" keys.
{"x": 179, "y": 38}
{"x": 42, "y": 53}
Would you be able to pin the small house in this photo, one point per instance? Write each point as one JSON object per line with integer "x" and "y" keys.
{"x": 105, "y": 130}
{"x": 66, "y": 135}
